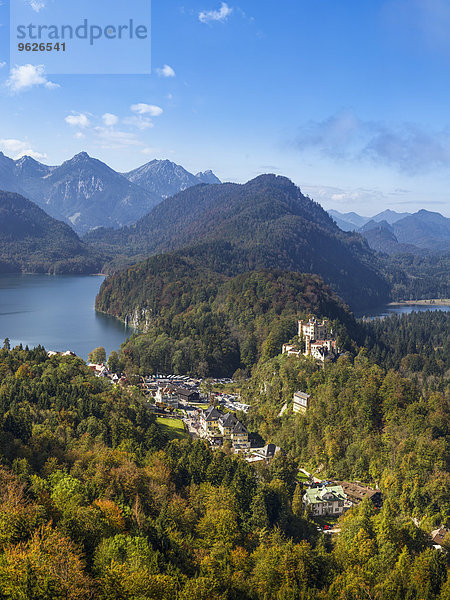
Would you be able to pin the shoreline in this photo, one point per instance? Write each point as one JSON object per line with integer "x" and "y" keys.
{"x": 430, "y": 302}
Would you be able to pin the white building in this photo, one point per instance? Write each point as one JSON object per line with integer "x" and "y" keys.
{"x": 329, "y": 500}
{"x": 300, "y": 402}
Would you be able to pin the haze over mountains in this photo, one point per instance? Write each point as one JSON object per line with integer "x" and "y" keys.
{"x": 352, "y": 221}
{"x": 86, "y": 193}
{"x": 395, "y": 233}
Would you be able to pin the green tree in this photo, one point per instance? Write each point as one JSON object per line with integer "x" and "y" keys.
{"x": 97, "y": 356}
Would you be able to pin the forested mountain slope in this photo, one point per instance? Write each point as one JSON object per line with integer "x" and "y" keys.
{"x": 31, "y": 241}
{"x": 269, "y": 224}
{"x": 203, "y": 322}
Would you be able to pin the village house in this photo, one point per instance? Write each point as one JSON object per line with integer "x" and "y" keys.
{"x": 266, "y": 454}
{"x": 239, "y": 437}
{"x": 438, "y": 537}
{"x": 219, "y": 427}
{"x": 167, "y": 396}
{"x": 356, "y": 493}
{"x": 186, "y": 395}
{"x": 327, "y": 500}
{"x": 227, "y": 423}
{"x": 209, "y": 420}
{"x": 300, "y": 402}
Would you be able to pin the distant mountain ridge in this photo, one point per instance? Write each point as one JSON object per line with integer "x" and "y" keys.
{"x": 352, "y": 221}
{"x": 86, "y": 193}
{"x": 165, "y": 178}
{"x": 395, "y": 233}
{"x": 32, "y": 241}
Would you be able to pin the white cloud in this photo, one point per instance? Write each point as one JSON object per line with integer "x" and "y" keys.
{"x": 147, "y": 109}
{"x": 166, "y": 71}
{"x": 27, "y": 76}
{"x": 19, "y": 148}
{"x": 51, "y": 85}
{"x": 2, "y": 64}
{"x": 37, "y": 5}
{"x": 79, "y": 135}
{"x": 78, "y": 120}
{"x": 138, "y": 121}
{"x": 110, "y": 120}
{"x": 405, "y": 147}
{"x": 211, "y": 16}
{"x": 113, "y": 139}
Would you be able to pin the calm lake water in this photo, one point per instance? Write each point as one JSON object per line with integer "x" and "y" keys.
{"x": 58, "y": 313}
{"x": 385, "y": 311}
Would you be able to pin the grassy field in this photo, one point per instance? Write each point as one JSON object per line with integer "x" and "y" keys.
{"x": 174, "y": 428}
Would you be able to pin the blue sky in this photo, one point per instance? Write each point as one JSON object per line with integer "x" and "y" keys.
{"x": 349, "y": 99}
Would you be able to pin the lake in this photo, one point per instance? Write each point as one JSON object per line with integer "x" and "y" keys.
{"x": 58, "y": 313}
{"x": 386, "y": 311}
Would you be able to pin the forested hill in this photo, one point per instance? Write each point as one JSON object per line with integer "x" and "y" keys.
{"x": 32, "y": 241}
{"x": 97, "y": 503}
{"x": 202, "y": 322}
{"x": 269, "y": 223}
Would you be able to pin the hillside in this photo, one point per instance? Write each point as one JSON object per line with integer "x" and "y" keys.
{"x": 269, "y": 224}
{"x": 86, "y": 193}
{"x": 97, "y": 502}
{"x": 201, "y": 322}
{"x": 31, "y": 241}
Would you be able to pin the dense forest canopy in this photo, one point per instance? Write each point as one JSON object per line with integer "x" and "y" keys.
{"x": 97, "y": 502}
{"x": 204, "y": 323}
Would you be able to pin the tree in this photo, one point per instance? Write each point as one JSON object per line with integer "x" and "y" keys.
{"x": 6, "y": 344}
{"x": 97, "y": 356}
{"x": 113, "y": 362}
{"x": 48, "y": 567}
{"x": 297, "y": 504}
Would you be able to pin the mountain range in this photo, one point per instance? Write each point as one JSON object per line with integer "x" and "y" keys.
{"x": 352, "y": 221}
{"x": 265, "y": 223}
{"x": 86, "y": 193}
{"x": 394, "y": 233}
